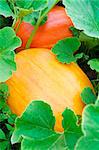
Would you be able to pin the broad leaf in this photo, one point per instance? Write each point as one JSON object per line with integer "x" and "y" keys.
{"x": 72, "y": 130}
{"x": 8, "y": 43}
{"x": 94, "y": 64}
{"x": 5, "y": 9}
{"x": 90, "y": 128}
{"x": 65, "y": 49}
{"x": 54, "y": 142}
{"x": 88, "y": 96}
{"x": 37, "y": 120}
{"x": 85, "y": 15}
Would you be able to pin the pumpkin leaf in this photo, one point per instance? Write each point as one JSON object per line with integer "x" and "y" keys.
{"x": 35, "y": 129}
{"x": 90, "y": 128}
{"x": 89, "y": 42}
{"x": 52, "y": 142}
{"x": 2, "y": 135}
{"x": 88, "y": 96}
{"x": 8, "y": 43}
{"x": 94, "y": 64}
{"x": 37, "y": 120}
{"x": 5, "y": 9}
{"x": 4, "y": 145}
{"x": 35, "y": 4}
{"x": 64, "y": 50}
{"x": 72, "y": 131}
{"x": 85, "y": 15}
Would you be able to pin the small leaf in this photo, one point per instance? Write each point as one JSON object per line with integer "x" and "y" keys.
{"x": 53, "y": 142}
{"x": 5, "y": 9}
{"x": 85, "y": 15}
{"x": 88, "y": 96}
{"x": 65, "y": 49}
{"x": 72, "y": 131}
{"x": 2, "y": 135}
{"x": 8, "y": 43}
{"x": 90, "y": 128}
{"x": 94, "y": 64}
{"x": 37, "y": 120}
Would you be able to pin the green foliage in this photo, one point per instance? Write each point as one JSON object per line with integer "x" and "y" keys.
{"x": 6, "y": 119}
{"x": 36, "y": 128}
{"x": 90, "y": 128}
{"x": 85, "y": 15}
{"x": 94, "y": 64}
{"x": 36, "y": 122}
{"x": 88, "y": 96}
{"x": 65, "y": 49}
{"x": 35, "y": 4}
{"x": 52, "y": 142}
{"x": 72, "y": 131}
{"x": 5, "y": 9}
{"x": 8, "y": 43}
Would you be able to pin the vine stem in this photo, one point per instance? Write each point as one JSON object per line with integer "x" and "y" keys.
{"x": 28, "y": 44}
{"x": 18, "y": 26}
{"x": 33, "y": 33}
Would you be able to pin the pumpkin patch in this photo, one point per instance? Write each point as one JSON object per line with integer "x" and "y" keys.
{"x": 49, "y": 74}
{"x": 40, "y": 76}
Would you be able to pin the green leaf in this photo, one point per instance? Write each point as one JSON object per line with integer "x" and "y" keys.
{"x": 89, "y": 144}
{"x": 35, "y": 4}
{"x": 88, "y": 96}
{"x": 89, "y": 42}
{"x": 33, "y": 17}
{"x": 65, "y": 49}
{"x": 94, "y": 64}
{"x": 75, "y": 31}
{"x": 4, "y": 145}
{"x": 8, "y": 43}
{"x": 5, "y": 9}
{"x": 72, "y": 130}
{"x": 85, "y": 15}
{"x": 39, "y": 4}
{"x": 51, "y": 143}
{"x": 37, "y": 120}
{"x": 26, "y": 4}
{"x": 2, "y": 135}
{"x": 90, "y": 128}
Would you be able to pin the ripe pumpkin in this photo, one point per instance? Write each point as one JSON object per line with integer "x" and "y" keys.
{"x": 40, "y": 76}
{"x": 56, "y": 28}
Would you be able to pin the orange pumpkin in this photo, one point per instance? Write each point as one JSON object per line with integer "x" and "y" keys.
{"x": 40, "y": 76}
{"x": 56, "y": 28}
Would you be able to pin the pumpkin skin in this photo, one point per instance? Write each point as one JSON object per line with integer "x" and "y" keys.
{"x": 40, "y": 76}
{"x": 56, "y": 28}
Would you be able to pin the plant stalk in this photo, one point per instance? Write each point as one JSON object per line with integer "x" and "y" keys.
{"x": 28, "y": 44}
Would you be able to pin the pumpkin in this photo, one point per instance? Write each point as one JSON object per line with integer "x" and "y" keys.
{"x": 40, "y": 76}
{"x": 56, "y": 28}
